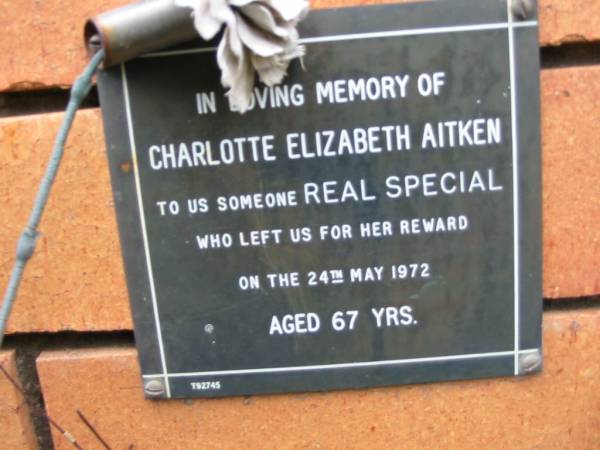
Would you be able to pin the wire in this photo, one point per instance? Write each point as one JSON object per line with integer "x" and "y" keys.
{"x": 27, "y": 242}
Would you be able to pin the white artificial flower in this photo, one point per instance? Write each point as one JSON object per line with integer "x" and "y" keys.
{"x": 260, "y": 36}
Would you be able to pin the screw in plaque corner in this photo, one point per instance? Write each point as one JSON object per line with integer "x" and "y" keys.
{"x": 522, "y": 9}
{"x": 530, "y": 363}
{"x": 155, "y": 389}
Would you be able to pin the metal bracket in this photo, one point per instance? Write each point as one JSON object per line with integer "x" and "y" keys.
{"x": 138, "y": 28}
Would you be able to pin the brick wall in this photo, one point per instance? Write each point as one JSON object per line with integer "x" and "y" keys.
{"x": 71, "y": 327}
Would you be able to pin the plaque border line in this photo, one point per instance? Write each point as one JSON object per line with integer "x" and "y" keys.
{"x": 516, "y": 203}
{"x": 510, "y": 26}
{"x": 372, "y": 35}
{"x": 149, "y": 269}
{"x": 390, "y": 362}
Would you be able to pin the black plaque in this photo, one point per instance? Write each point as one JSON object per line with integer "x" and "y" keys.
{"x": 373, "y": 221}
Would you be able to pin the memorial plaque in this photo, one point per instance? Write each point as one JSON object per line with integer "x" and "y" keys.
{"x": 375, "y": 220}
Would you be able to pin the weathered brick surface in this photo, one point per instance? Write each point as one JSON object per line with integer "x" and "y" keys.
{"x": 41, "y": 41}
{"x": 75, "y": 281}
{"x": 559, "y": 409}
{"x": 571, "y": 190}
{"x": 15, "y": 425}
{"x": 568, "y": 21}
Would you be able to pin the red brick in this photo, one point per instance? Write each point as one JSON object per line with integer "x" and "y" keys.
{"x": 568, "y": 21}
{"x": 556, "y": 410}
{"x": 571, "y": 191}
{"x": 42, "y": 42}
{"x": 75, "y": 281}
{"x": 15, "y": 424}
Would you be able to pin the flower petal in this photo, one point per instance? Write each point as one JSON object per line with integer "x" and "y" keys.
{"x": 289, "y": 9}
{"x": 257, "y": 41}
{"x": 271, "y": 71}
{"x": 221, "y": 11}
{"x": 187, "y": 3}
{"x": 240, "y": 3}
{"x": 207, "y": 26}
{"x": 237, "y": 71}
{"x": 262, "y": 17}
{"x": 260, "y": 37}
